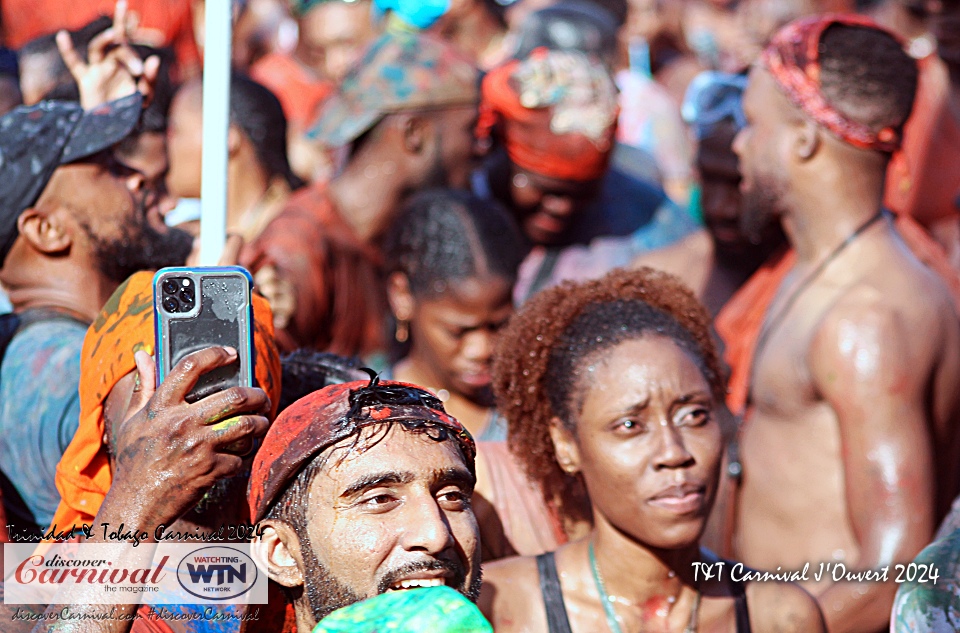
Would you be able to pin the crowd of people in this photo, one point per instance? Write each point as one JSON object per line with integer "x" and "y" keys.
{"x": 569, "y": 316}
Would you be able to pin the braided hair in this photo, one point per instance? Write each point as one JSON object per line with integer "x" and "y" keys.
{"x": 443, "y": 235}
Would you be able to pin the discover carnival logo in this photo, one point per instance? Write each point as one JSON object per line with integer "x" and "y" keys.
{"x": 151, "y": 574}
{"x": 217, "y": 573}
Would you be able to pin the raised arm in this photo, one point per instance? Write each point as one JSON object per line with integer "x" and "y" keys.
{"x": 863, "y": 362}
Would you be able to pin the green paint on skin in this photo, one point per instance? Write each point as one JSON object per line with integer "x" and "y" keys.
{"x": 240, "y": 447}
{"x": 220, "y": 427}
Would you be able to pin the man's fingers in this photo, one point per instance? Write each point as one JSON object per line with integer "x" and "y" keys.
{"x": 120, "y": 20}
{"x": 128, "y": 57}
{"x": 235, "y": 430}
{"x": 144, "y": 383}
{"x": 97, "y": 49}
{"x": 230, "y": 402}
{"x": 185, "y": 374}
{"x": 71, "y": 59}
{"x": 228, "y": 465}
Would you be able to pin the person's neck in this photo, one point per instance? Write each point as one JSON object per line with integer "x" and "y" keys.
{"x": 472, "y": 415}
{"x": 641, "y": 575}
{"x": 830, "y": 214}
{"x": 365, "y": 195}
{"x": 70, "y": 289}
{"x": 248, "y": 182}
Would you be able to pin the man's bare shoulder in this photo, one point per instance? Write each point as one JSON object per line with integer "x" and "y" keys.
{"x": 888, "y": 316}
{"x": 783, "y": 608}
{"x": 511, "y": 597}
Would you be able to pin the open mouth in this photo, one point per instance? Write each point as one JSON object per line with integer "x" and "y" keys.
{"x": 414, "y": 583}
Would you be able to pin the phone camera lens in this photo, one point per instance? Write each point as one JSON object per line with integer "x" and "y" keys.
{"x": 170, "y": 286}
{"x": 171, "y": 305}
{"x": 186, "y": 296}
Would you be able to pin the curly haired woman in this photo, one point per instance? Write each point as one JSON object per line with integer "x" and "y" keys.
{"x": 610, "y": 389}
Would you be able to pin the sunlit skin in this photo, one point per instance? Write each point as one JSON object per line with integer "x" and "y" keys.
{"x": 452, "y": 338}
{"x": 648, "y": 446}
{"x": 375, "y": 508}
{"x": 52, "y": 262}
{"x": 856, "y": 383}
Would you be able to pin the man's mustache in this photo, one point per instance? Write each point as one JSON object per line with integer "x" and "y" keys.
{"x": 455, "y": 568}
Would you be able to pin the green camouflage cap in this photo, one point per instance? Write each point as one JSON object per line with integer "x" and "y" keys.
{"x": 400, "y": 71}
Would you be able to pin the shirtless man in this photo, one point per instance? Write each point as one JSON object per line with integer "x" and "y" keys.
{"x": 847, "y": 448}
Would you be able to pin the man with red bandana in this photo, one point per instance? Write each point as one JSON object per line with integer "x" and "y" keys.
{"x": 363, "y": 489}
{"x": 550, "y": 120}
{"x": 848, "y": 378}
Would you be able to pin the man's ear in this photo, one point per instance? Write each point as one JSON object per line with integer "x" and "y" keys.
{"x": 807, "y": 140}
{"x": 565, "y": 447}
{"x": 400, "y": 297}
{"x": 414, "y": 132}
{"x": 234, "y": 141}
{"x": 44, "y": 231}
{"x": 277, "y": 551}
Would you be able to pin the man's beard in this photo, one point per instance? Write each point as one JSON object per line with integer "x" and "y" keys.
{"x": 762, "y": 205}
{"x": 139, "y": 247}
{"x": 325, "y": 593}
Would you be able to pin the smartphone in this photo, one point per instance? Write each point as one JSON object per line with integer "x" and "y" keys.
{"x": 200, "y": 307}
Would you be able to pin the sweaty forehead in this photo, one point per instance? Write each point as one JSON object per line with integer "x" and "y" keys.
{"x": 381, "y": 450}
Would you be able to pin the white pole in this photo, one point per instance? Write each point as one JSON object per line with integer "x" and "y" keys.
{"x": 216, "y": 123}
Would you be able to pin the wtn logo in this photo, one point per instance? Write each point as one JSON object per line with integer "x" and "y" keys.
{"x": 225, "y": 573}
{"x": 217, "y": 573}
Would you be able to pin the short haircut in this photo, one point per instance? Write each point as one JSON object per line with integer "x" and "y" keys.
{"x": 541, "y": 353}
{"x": 258, "y": 113}
{"x": 866, "y": 74}
{"x": 443, "y": 235}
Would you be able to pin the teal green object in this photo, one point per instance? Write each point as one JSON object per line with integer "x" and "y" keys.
{"x": 695, "y": 208}
{"x": 419, "y": 13}
{"x": 429, "y": 609}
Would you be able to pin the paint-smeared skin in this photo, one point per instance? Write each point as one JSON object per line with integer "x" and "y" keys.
{"x": 847, "y": 452}
{"x": 167, "y": 457}
{"x": 646, "y": 423}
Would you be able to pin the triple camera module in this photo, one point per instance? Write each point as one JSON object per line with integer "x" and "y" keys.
{"x": 178, "y": 294}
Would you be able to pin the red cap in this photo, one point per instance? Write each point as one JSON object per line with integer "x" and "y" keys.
{"x": 325, "y": 417}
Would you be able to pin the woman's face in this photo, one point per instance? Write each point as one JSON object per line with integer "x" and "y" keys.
{"x": 454, "y": 333}
{"x": 647, "y": 442}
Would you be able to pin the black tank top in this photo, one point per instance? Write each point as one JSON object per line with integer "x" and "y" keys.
{"x": 557, "y": 621}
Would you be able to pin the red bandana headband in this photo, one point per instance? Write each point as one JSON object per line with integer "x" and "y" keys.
{"x": 793, "y": 58}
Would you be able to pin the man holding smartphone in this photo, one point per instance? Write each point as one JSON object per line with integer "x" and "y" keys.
{"x": 74, "y": 223}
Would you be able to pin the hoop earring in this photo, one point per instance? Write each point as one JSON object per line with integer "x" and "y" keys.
{"x": 403, "y": 331}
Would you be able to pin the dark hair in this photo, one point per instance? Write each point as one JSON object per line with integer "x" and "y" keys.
{"x": 258, "y": 113}
{"x": 867, "y": 75}
{"x": 539, "y": 356}
{"x": 305, "y": 371}
{"x": 578, "y": 25}
{"x": 446, "y": 234}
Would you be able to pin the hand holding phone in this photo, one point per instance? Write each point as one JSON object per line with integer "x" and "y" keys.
{"x": 171, "y": 452}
